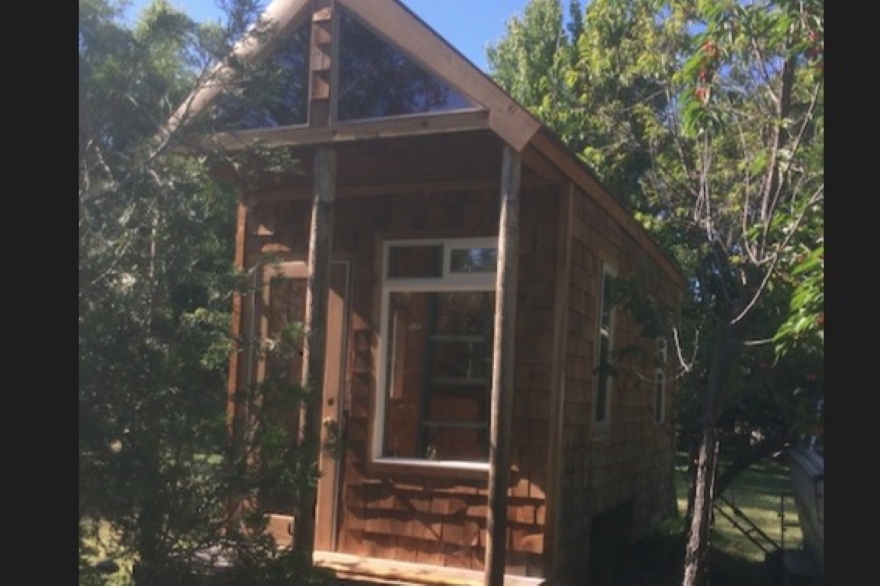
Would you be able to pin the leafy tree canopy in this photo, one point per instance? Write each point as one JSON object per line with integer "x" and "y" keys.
{"x": 706, "y": 117}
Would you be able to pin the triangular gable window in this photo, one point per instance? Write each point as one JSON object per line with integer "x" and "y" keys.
{"x": 377, "y": 80}
{"x": 274, "y": 93}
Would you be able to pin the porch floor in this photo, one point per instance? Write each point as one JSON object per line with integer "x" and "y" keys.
{"x": 379, "y": 571}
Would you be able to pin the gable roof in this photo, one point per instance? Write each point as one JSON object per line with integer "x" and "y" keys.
{"x": 399, "y": 27}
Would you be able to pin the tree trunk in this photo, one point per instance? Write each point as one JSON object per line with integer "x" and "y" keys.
{"x": 150, "y": 549}
{"x": 725, "y": 352}
{"x": 693, "y": 459}
{"x": 698, "y": 539}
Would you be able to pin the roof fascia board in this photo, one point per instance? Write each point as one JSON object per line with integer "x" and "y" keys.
{"x": 581, "y": 175}
{"x": 277, "y": 18}
{"x": 403, "y": 28}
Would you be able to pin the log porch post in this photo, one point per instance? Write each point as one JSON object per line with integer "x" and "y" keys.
{"x": 239, "y": 376}
{"x": 314, "y": 348}
{"x": 502, "y": 368}
{"x": 318, "y": 284}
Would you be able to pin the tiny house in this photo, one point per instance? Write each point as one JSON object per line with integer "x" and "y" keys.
{"x": 459, "y": 263}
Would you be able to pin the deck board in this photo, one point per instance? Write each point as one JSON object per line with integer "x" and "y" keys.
{"x": 379, "y": 571}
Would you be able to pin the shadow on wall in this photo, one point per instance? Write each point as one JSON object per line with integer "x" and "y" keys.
{"x": 609, "y": 544}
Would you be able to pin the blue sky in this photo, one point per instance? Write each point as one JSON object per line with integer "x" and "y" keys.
{"x": 469, "y": 25}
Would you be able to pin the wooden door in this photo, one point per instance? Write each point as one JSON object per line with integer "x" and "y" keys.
{"x": 283, "y": 301}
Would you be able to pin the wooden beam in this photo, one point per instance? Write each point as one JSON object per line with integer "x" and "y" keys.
{"x": 341, "y": 132}
{"x": 536, "y": 161}
{"x": 314, "y": 348}
{"x": 273, "y": 194}
{"x": 233, "y": 380}
{"x": 502, "y": 368}
{"x": 236, "y": 411}
{"x": 268, "y": 195}
{"x": 321, "y": 62}
{"x": 557, "y": 380}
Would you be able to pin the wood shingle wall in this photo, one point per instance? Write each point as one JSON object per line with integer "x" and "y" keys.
{"x": 439, "y": 516}
{"x": 631, "y": 463}
{"x": 436, "y": 517}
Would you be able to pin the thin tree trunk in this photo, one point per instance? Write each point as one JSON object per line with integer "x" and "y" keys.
{"x": 693, "y": 459}
{"x": 725, "y": 353}
{"x": 698, "y": 539}
{"x": 149, "y": 520}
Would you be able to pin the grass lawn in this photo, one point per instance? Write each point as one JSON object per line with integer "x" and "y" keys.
{"x": 104, "y": 545}
{"x": 762, "y": 494}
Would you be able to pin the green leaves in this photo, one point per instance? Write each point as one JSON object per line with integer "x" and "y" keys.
{"x": 155, "y": 271}
{"x": 804, "y": 326}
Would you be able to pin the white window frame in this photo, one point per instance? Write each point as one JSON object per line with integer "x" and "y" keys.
{"x": 603, "y": 425}
{"x": 448, "y": 281}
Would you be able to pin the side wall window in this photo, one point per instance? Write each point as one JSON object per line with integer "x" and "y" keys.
{"x": 660, "y": 382}
{"x": 659, "y": 395}
{"x": 605, "y": 341}
{"x": 438, "y": 310}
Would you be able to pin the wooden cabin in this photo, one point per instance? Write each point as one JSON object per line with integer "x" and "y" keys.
{"x": 454, "y": 263}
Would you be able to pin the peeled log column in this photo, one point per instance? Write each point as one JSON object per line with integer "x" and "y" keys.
{"x": 314, "y": 348}
{"x": 502, "y": 368}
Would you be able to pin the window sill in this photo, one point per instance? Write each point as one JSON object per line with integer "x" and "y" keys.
{"x": 600, "y": 433}
{"x": 430, "y": 467}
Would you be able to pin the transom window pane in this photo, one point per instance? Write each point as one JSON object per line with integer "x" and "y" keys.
{"x": 473, "y": 260}
{"x": 415, "y": 261}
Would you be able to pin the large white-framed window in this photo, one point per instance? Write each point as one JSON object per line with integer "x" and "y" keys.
{"x": 603, "y": 378}
{"x": 435, "y": 352}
